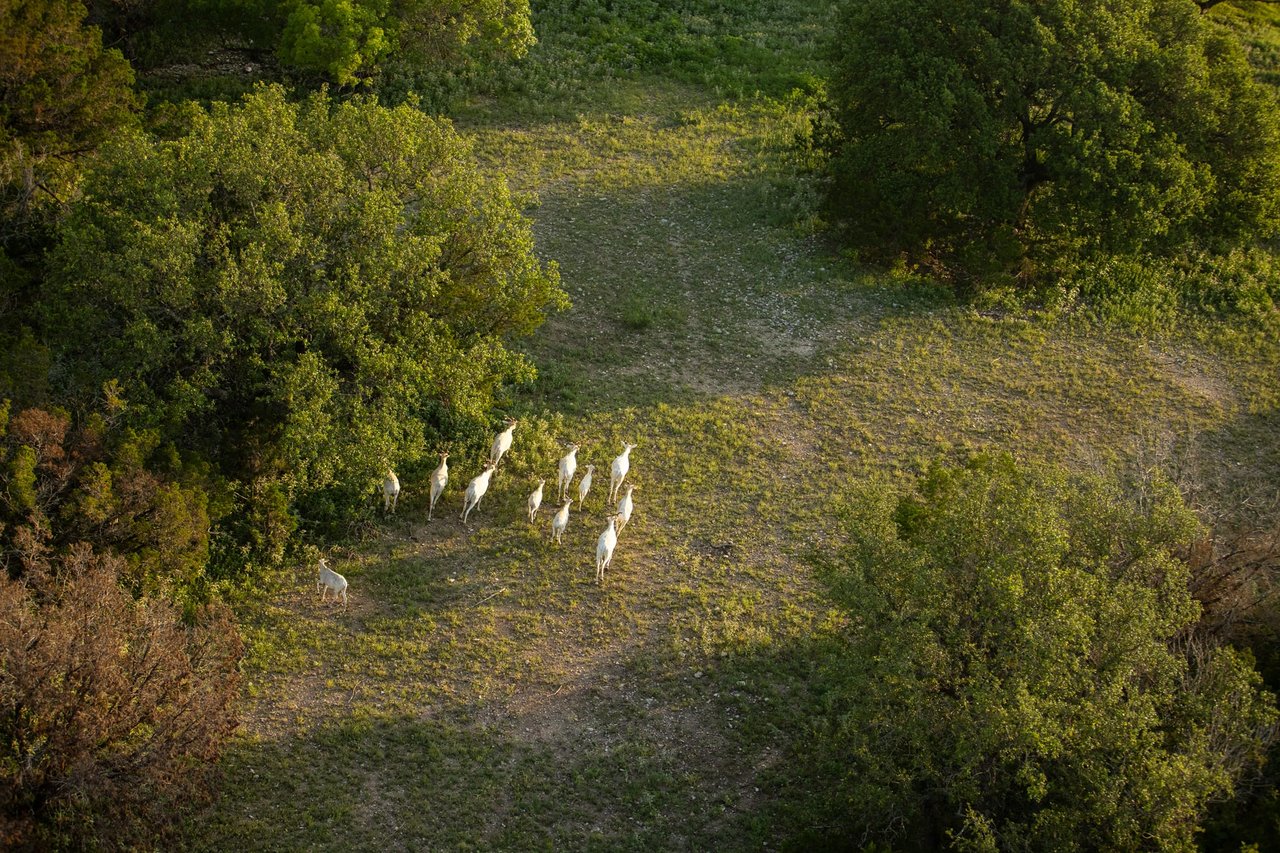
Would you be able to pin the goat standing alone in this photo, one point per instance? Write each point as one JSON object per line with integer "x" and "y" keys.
{"x": 621, "y": 465}
{"x": 560, "y": 521}
{"x": 535, "y": 501}
{"x": 502, "y": 442}
{"x": 439, "y": 479}
{"x": 475, "y": 491}
{"x": 331, "y": 580}
{"x": 390, "y": 491}
{"x": 568, "y": 465}
{"x": 604, "y": 548}
{"x": 625, "y": 507}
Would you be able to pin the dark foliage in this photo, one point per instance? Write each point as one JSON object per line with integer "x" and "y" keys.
{"x": 63, "y": 485}
{"x": 61, "y": 95}
{"x": 998, "y": 139}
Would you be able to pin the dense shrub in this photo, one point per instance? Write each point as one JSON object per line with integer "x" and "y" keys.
{"x": 346, "y": 41}
{"x": 61, "y": 94}
{"x": 63, "y": 484}
{"x": 116, "y": 684}
{"x": 111, "y": 709}
{"x": 994, "y": 138}
{"x": 1022, "y": 669}
{"x": 301, "y": 294}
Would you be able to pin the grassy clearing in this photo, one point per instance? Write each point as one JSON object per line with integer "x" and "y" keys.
{"x": 1258, "y": 27}
{"x": 482, "y": 692}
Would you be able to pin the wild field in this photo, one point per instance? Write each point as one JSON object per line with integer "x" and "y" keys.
{"x": 482, "y": 691}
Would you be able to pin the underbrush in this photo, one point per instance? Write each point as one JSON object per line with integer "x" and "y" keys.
{"x": 588, "y": 50}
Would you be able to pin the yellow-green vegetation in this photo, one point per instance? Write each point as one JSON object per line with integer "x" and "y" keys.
{"x": 1258, "y": 27}
{"x": 482, "y": 692}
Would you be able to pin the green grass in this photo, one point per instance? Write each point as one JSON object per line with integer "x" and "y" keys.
{"x": 482, "y": 692}
{"x": 628, "y": 58}
{"x": 1258, "y": 27}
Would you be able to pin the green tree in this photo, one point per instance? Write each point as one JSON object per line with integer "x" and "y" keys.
{"x": 1021, "y": 669}
{"x": 994, "y": 136}
{"x": 345, "y": 41}
{"x": 337, "y": 38}
{"x": 301, "y": 294}
{"x": 61, "y": 95}
{"x": 94, "y": 482}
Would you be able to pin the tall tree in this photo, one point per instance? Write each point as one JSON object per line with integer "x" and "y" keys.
{"x": 300, "y": 293}
{"x": 996, "y": 135}
{"x": 61, "y": 95}
{"x": 113, "y": 701}
{"x": 1021, "y": 669}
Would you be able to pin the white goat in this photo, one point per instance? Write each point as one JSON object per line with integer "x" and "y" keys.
{"x": 625, "y": 507}
{"x": 535, "y": 500}
{"x": 584, "y": 486}
{"x": 331, "y": 580}
{"x": 560, "y": 522}
{"x": 390, "y": 491}
{"x": 568, "y": 465}
{"x": 475, "y": 490}
{"x": 502, "y": 441}
{"x": 439, "y": 479}
{"x": 604, "y": 548}
{"x": 621, "y": 464}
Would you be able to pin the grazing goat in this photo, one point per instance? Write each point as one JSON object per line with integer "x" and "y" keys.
{"x": 439, "y": 479}
{"x": 625, "y": 507}
{"x": 535, "y": 501}
{"x": 331, "y": 580}
{"x": 621, "y": 465}
{"x": 390, "y": 491}
{"x": 502, "y": 442}
{"x": 568, "y": 465}
{"x": 475, "y": 490}
{"x": 584, "y": 486}
{"x": 560, "y": 522}
{"x": 604, "y": 548}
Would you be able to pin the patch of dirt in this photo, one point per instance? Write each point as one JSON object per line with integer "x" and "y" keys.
{"x": 220, "y": 62}
{"x": 1192, "y": 376}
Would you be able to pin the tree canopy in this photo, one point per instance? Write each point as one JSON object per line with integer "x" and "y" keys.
{"x": 300, "y": 293}
{"x": 347, "y": 40}
{"x": 1021, "y": 669}
{"x": 61, "y": 95}
{"x": 118, "y": 683}
{"x": 993, "y": 136}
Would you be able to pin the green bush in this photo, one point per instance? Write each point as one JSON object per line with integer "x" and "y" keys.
{"x": 300, "y": 294}
{"x": 61, "y": 94}
{"x": 997, "y": 137}
{"x": 1022, "y": 665}
{"x": 91, "y": 481}
{"x": 347, "y": 41}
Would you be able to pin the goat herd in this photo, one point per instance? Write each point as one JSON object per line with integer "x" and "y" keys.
{"x": 330, "y": 580}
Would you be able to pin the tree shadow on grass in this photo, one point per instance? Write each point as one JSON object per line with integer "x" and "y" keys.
{"x": 642, "y": 754}
{"x": 682, "y": 293}
{"x": 1233, "y": 472}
